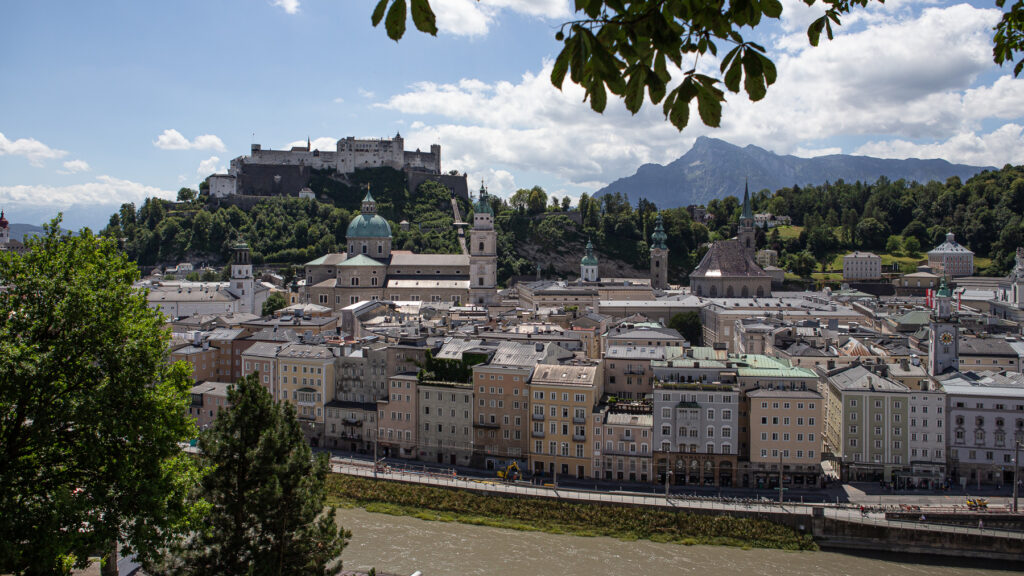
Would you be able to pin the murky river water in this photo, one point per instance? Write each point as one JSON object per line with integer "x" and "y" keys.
{"x": 402, "y": 545}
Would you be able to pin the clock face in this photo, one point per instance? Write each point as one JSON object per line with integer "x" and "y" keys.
{"x": 946, "y": 338}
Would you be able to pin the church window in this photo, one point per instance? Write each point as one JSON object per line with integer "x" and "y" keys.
{"x": 380, "y": 248}
{"x": 657, "y": 264}
{"x": 373, "y": 281}
{"x": 481, "y": 246}
{"x": 480, "y": 281}
{"x": 355, "y": 281}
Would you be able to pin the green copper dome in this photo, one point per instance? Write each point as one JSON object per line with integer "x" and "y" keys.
{"x": 589, "y": 259}
{"x": 659, "y": 237}
{"x": 368, "y": 226}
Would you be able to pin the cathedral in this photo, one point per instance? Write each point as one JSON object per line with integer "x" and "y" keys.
{"x": 371, "y": 270}
{"x": 728, "y": 269}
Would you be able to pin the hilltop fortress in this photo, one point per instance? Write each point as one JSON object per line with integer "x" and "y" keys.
{"x": 266, "y": 172}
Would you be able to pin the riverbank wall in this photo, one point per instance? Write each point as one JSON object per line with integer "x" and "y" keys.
{"x": 833, "y": 528}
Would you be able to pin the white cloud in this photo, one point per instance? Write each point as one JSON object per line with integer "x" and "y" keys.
{"x": 338, "y": 100}
{"x": 1004, "y": 145}
{"x": 323, "y": 143}
{"x": 498, "y": 182}
{"x": 210, "y": 166}
{"x": 897, "y": 77}
{"x": 815, "y": 152}
{"x": 171, "y": 139}
{"x": 366, "y": 93}
{"x": 475, "y": 17}
{"x": 75, "y": 166}
{"x": 290, "y": 6}
{"x": 34, "y": 150}
{"x": 103, "y": 190}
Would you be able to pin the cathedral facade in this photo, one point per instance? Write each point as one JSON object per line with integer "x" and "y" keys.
{"x": 371, "y": 270}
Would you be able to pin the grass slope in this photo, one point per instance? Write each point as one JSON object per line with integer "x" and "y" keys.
{"x": 583, "y": 519}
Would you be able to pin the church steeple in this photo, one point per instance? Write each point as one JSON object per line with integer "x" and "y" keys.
{"x": 659, "y": 237}
{"x": 659, "y": 256}
{"x": 748, "y": 212}
{"x": 745, "y": 231}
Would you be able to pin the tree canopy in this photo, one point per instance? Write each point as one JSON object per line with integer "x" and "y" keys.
{"x": 265, "y": 496}
{"x": 91, "y": 413}
{"x": 627, "y": 46}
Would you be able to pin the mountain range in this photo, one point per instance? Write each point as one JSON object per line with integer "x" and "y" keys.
{"x": 714, "y": 168}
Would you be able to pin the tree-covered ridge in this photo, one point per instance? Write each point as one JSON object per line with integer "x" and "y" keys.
{"x": 284, "y": 230}
{"x": 896, "y": 217}
{"x": 985, "y": 214}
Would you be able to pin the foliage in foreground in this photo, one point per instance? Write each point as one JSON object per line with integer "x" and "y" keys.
{"x": 265, "y": 494}
{"x": 563, "y": 517}
{"x": 91, "y": 413}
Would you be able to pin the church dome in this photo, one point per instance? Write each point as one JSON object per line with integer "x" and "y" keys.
{"x": 368, "y": 226}
{"x": 3, "y": 220}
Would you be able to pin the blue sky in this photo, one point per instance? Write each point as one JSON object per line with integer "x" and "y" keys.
{"x": 106, "y": 102}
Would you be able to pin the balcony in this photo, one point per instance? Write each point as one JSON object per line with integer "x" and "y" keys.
{"x": 537, "y": 416}
{"x": 579, "y": 419}
{"x": 486, "y": 425}
{"x": 537, "y": 434}
{"x": 579, "y": 437}
{"x": 634, "y": 372}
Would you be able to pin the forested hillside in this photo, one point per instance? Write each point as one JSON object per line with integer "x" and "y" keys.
{"x": 897, "y": 218}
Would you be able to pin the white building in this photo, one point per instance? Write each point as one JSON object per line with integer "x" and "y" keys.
{"x": 985, "y": 417}
{"x": 242, "y": 294}
{"x": 951, "y": 258}
{"x": 862, "y": 266}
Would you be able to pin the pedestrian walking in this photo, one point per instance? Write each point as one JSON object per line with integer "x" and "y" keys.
{"x": 981, "y": 524}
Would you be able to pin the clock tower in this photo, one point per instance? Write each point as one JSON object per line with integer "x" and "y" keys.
{"x": 944, "y": 341}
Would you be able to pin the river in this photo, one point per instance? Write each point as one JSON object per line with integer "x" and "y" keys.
{"x": 402, "y": 545}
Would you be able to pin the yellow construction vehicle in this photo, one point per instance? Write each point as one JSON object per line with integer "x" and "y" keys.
{"x": 977, "y": 504}
{"x": 510, "y": 473}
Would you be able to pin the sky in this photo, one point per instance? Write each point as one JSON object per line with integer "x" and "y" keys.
{"x": 115, "y": 101}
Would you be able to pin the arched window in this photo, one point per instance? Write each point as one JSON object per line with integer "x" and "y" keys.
{"x": 714, "y": 291}
{"x": 745, "y": 292}
{"x": 657, "y": 264}
{"x": 364, "y": 248}
{"x": 380, "y": 248}
{"x": 728, "y": 291}
{"x": 760, "y": 291}
{"x": 481, "y": 246}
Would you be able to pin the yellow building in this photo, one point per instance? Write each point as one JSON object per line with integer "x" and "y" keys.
{"x": 306, "y": 379}
{"x": 562, "y": 401}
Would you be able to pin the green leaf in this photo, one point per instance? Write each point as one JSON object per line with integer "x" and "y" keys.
{"x": 753, "y": 81}
{"x": 655, "y": 88}
{"x": 395, "y": 22}
{"x": 734, "y": 75}
{"x": 423, "y": 17}
{"x": 814, "y": 31}
{"x": 598, "y": 96}
{"x": 561, "y": 66}
{"x": 635, "y": 90}
{"x": 709, "y": 106}
{"x": 378, "y": 12}
{"x": 770, "y": 74}
{"x": 771, "y": 8}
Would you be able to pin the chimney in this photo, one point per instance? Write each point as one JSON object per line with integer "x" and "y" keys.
{"x": 905, "y": 364}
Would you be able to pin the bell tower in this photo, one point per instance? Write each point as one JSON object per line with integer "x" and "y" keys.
{"x": 243, "y": 285}
{"x": 659, "y": 256}
{"x": 483, "y": 255}
{"x": 944, "y": 339}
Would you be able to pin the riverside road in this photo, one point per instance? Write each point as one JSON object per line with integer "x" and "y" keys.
{"x": 845, "y": 511}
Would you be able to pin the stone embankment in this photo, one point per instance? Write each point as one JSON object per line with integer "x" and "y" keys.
{"x": 832, "y": 526}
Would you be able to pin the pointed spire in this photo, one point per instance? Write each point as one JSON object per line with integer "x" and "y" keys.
{"x": 309, "y": 145}
{"x": 747, "y": 212}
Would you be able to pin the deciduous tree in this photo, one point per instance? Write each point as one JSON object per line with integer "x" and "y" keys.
{"x": 91, "y": 413}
